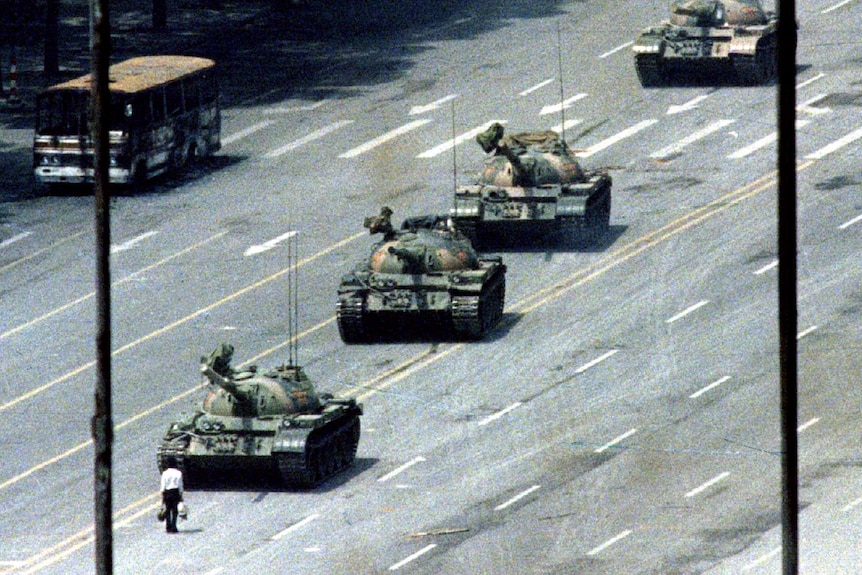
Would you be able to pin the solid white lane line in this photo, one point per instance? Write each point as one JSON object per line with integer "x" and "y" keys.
{"x": 836, "y": 145}
{"x": 416, "y": 555}
{"x": 613, "y": 442}
{"x": 676, "y": 148}
{"x": 596, "y": 361}
{"x": 762, "y": 559}
{"x": 836, "y": 6}
{"x": 608, "y": 142}
{"x": 518, "y": 497}
{"x": 715, "y": 383}
{"x": 244, "y": 132}
{"x": 557, "y": 108}
{"x": 500, "y": 413}
{"x": 617, "y": 49}
{"x": 309, "y": 138}
{"x": 805, "y": 332}
{"x": 767, "y": 267}
{"x": 371, "y": 144}
{"x": 449, "y": 144}
{"x": 761, "y": 143}
{"x": 268, "y": 245}
{"x": 609, "y": 542}
{"x": 129, "y": 244}
{"x": 13, "y": 239}
{"x": 536, "y": 87}
{"x": 295, "y": 526}
{"x": 847, "y": 224}
{"x": 687, "y": 311}
{"x": 807, "y": 424}
{"x": 398, "y": 470}
{"x": 708, "y": 484}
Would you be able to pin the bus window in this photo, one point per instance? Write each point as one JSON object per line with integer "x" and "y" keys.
{"x": 174, "y": 99}
{"x": 158, "y": 102}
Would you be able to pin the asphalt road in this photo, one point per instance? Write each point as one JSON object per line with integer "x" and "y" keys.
{"x": 623, "y": 418}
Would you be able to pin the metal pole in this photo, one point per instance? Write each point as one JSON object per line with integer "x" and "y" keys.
{"x": 102, "y": 424}
{"x": 787, "y": 293}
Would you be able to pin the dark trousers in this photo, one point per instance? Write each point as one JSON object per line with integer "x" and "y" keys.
{"x": 171, "y": 498}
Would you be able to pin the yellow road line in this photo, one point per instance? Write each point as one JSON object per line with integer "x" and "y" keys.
{"x": 90, "y": 295}
{"x": 420, "y": 361}
{"x": 40, "y": 252}
{"x": 180, "y": 321}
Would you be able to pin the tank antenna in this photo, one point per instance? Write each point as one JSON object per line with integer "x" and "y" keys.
{"x": 560, "y": 73}
{"x": 293, "y": 307}
{"x": 454, "y": 152}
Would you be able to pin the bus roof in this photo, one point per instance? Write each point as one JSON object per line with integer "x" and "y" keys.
{"x": 141, "y": 73}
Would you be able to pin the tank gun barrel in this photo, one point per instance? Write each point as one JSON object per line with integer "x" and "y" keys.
{"x": 223, "y": 382}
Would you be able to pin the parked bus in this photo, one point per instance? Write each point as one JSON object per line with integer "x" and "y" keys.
{"x": 164, "y": 113}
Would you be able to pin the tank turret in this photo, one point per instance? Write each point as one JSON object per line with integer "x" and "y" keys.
{"x": 418, "y": 279}
{"x": 711, "y": 38}
{"x": 531, "y": 186}
{"x": 252, "y": 420}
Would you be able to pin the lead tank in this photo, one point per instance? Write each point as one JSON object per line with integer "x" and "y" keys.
{"x": 709, "y": 37}
{"x": 531, "y": 184}
{"x": 263, "y": 421}
{"x": 419, "y": 281}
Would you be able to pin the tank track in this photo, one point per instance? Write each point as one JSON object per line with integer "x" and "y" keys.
{"x": 472, "y": 316}
{"x": 351, "y": 322}
{"x": 759, "y": 68}
{"x": 468, "y": 228}
{"x": 650, "y": 70}
{"x": 328, "y": 450}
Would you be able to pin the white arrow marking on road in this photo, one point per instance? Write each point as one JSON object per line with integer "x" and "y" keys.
{"x": 556, "y": 108}
{"x": 416, "y": 110}
{"x": 807, "y": 108}
{"x": 383, "y": 139}
{"x": 14, "y": 239}
{"x": 131, "y": 243}
{"x": 309, "y": 138}
{"x": 690, "y": 105}
{"x": 268, "y": 245}
{"x": 448, "y": 145}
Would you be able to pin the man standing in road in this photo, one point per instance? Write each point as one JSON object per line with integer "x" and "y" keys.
{"x": 172, "y": 493}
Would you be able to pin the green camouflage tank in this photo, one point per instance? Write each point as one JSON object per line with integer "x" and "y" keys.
{"x": 712, "y": 38}
{"x": 262, "y": 421}
{"x": 531, "y": 185}
{"x": 420, "y": 282}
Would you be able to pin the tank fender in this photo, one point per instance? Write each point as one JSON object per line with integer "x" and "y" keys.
{"x": 650, "y": 42}
{"x": 746, "y": 45}
{"x": 291, "y": 440}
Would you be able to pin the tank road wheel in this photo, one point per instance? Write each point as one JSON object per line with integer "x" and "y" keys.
{"x": 329, "y": 450}
{"x": 351, "y": 320}
{"x": 760, "y": 68}
{"x": 650, "y": 70}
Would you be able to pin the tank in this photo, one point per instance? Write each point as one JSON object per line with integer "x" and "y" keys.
{"x": 418, "y": 282}
{"x": 253, "y": 420}
{"x": 531, "y": 184}
{"x": 709, "y": 37}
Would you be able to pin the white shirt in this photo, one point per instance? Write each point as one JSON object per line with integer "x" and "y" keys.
{"x": 172, "y": 478}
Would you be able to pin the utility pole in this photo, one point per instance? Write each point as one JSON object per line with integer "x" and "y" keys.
{"x": 102, "y": 423}
{"x": 787, "y": 292}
